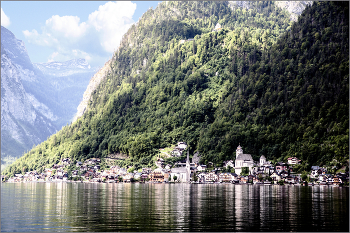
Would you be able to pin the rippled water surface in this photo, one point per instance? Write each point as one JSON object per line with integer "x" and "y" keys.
{"x": 172, "y": 207}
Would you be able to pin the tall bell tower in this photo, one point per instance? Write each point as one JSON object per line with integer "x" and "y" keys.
{"x": 239, "y": 150}
{"x": 188, "y": 167}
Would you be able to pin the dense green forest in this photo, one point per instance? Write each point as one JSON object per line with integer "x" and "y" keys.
{"x": 278, "y": 88}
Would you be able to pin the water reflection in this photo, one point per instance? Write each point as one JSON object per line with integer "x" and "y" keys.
{"x": 172, "y": 207}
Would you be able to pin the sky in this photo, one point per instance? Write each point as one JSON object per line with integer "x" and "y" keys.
{"x": 65, "y": 30}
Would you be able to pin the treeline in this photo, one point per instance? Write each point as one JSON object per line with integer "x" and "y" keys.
{"x": 278, "y": 89}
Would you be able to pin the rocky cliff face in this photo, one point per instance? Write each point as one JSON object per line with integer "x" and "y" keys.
{"x": 93, "y": 84}
{"x": 36, "y": 99}
{"x": 25, "y": 121}
{"x": 295, "y": 8}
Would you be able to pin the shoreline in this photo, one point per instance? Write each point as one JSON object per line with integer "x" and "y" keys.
{"x": 195, "y": 183}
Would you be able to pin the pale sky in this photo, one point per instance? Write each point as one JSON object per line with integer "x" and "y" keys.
{"x": 64, "y": 30}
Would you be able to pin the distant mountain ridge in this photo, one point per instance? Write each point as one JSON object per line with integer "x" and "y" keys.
{"x": 36, "y": 99}
{"x": 66, "y": 68}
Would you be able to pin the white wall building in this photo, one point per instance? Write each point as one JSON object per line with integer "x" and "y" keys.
{"x": 243, "y": 160}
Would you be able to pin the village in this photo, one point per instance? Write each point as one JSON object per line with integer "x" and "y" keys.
{"x": 241, "y": 171}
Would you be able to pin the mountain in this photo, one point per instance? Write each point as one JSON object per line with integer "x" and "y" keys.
{"x": 25, "y": 121}
{"x": 93, "y": 84}
{"x": 69, "y": 79}
{"x": 216, "y": 76}
{"x": 295, "y": 8}
{"x": 67, "y": 68}
{"x": 36, "y": 99}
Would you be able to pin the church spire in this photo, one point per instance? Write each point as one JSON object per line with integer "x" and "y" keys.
{"x": 188, "y": 157}
{"x": 188, "y": 167}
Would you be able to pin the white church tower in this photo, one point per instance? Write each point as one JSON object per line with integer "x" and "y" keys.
{"x": 188, "y": 167}
{"x": 262, "y": 160}
{"x": 239, "y": 151}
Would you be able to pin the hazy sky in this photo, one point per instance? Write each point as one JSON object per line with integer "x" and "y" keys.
{"x": 64, "y": 30}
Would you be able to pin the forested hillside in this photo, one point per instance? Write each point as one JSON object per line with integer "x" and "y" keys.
{"x": 277, "y": 88}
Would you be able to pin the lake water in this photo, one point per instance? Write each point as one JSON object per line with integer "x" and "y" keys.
{"x": 172, "y": 207}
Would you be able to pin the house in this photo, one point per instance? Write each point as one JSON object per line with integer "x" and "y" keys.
{"x": 217, "y": 27}
{"x": 66, "y": 161}
{"x": 128, "y": 177}
{"x": 181, "y": 145}
{"x": 146, "y": 170}
{"x": 176, "y": 153}
{"x": 157, "y": 176}
{"x": 166, "y": 173}
{"x": 276, "y": 177}
{"x": 211, "y": 177}
{"x": 159, "y": 162}
{"x": 293, "y": 160}
{"x": 263, "y": 162}
{"x": 228, "y": 164}
{"x": 137, "y": 176}
{"x": 337, "y": 180}
{"x": 322, "y": 178}
{"x": 243, "y": 179}
{"x": 122, "y": 171}
{"x": 225, "y": 177}
{"x": 281, "y": 167}
{"x": 201, "y": 168}
{"x": 78, "y": 164}
{"x": 290, "y": 180}
{"x": 144, "y": 176}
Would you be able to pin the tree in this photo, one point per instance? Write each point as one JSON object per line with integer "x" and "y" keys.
{"x": 195, "y": 177}
{"x": 175, "y": 178}
{"x": 304, "y": 176}
{"x": 245, "y": 171}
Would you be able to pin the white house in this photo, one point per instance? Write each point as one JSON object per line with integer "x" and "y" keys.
{"x": 211, "y": 176}
{"x": 293, "y": 160}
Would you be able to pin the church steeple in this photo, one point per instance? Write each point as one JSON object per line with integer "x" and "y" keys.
{"x": 188, "y": 159}
{"x": 188, "y": 166}
{"x": 239, "y": 150}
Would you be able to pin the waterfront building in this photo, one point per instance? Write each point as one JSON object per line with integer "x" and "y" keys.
{"x": 183, "y": 174}
{"x": 211, "y": 177}
{"x": 225, "y": 177}
{"x": 157, "y": 175}
{"x": 243, "y": 160}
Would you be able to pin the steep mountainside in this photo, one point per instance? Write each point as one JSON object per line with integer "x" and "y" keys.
{"x": 258, "y": 80}
{"x": 24, "y": 120}
{"x": 93, "y": 84}
{"x": 36, "y": 100}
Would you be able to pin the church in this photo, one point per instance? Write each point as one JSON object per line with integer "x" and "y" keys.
{"x": 243, "y": 160}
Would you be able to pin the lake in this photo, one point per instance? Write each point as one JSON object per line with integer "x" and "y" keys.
{"x": 172, "y": 207}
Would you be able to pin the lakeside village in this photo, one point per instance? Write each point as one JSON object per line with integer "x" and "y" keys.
{"x": 241, "y": 171}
